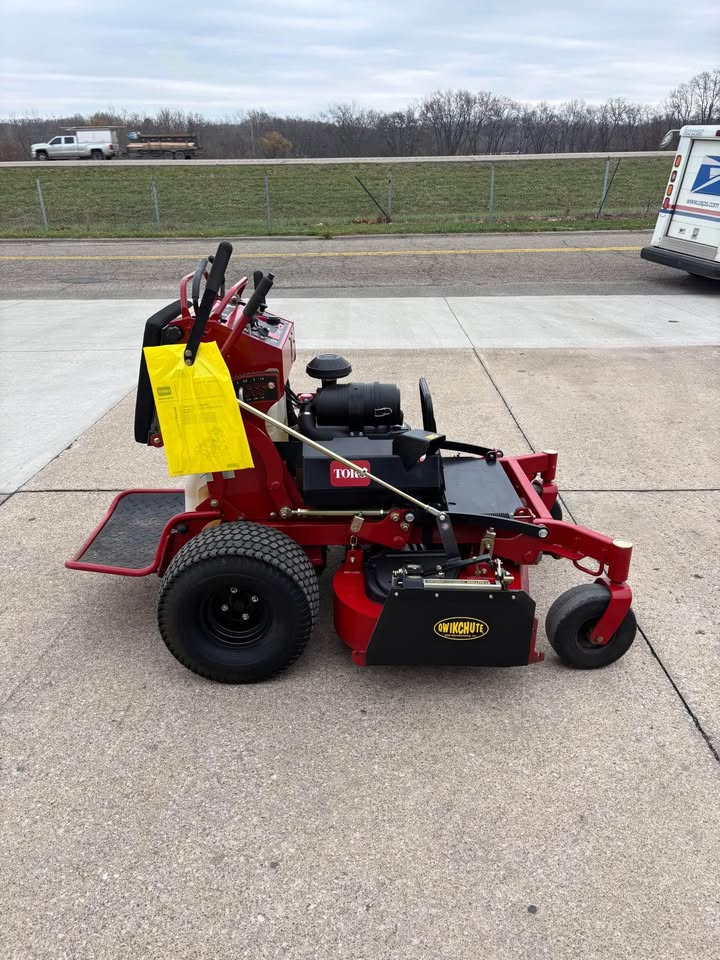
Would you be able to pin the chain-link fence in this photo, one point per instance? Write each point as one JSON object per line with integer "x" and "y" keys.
{"x": 126, "y": 200}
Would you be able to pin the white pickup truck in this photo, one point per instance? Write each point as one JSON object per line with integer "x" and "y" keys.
{"x": 81, "y": 145}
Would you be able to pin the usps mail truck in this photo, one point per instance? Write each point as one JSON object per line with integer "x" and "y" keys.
{"x": 687, "y": 232}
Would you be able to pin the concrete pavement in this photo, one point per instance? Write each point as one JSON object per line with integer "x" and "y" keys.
{"x": 65, "y": 364}
{"x": 373, "y": 814}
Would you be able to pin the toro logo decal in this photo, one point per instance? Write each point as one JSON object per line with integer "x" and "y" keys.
{"x": 461, "y": 628}
{"x": 707, "y": 179}
{"x": 342, "y": 476}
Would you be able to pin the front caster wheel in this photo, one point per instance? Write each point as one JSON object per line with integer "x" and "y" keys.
{"x": 570, "y": 621}
{"x": 556, "y": 509}
{"x": 238, "y": 603}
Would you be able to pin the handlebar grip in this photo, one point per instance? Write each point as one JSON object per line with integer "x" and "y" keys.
{"x": 261, "y": 291}
{"x": 202, "y": 313}
{"x": 220, "y": 263}
{"x": 197, "y": 280}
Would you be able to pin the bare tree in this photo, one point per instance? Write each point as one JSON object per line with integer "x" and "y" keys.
{"x": 450, "y": 115}
{"x": 698, "y": 100}
{"x": 352, "y": 125}
{"x": 449, "y": 122}
{"x": 400, "y": 132}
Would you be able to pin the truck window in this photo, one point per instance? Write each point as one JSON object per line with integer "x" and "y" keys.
{"x": 68, "y": 139}
{"x": 55, "y": 140}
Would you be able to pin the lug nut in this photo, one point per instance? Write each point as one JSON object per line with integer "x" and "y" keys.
{"x": 233, "y": 589}
{"x": 224, "y": 607}
{"x": 254, "y": 598}
{"x": 245, "y": 616}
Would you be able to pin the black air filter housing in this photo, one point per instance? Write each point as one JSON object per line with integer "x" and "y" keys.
{"x": 358, "y": 405}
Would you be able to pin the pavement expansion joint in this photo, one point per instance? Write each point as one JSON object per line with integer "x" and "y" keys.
{"x": 72, "y": 490}
{"x": 642, "y": 490}
{"x": 708, "y": 740}
{"x": 490, "y": 376}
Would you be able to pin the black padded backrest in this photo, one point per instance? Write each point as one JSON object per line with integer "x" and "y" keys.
{"x": 144, "y": 403}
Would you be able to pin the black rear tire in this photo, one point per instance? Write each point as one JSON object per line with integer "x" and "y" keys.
{"x": 96, "y": 155}
{"x": 238, "y": 603}
{"x": 570, "y": 621}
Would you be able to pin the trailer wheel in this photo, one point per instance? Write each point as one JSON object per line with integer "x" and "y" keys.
{"x": 238, "y": 603}
{"x": 570, "y": 621}
{"x": 179, "y": 155}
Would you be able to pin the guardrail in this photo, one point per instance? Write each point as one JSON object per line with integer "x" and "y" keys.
{"x": 326, "y": 161}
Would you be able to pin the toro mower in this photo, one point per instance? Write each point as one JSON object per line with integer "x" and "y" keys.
{"x": 436, "y": 535}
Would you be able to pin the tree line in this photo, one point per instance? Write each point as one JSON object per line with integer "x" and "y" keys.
{"x": 444, "y": 123}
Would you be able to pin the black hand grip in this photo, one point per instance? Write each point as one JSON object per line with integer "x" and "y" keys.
{"x": 202, "y": 313}
{"x": 258, "y": 297}
{"x": 196, "y": 281}
{"x": 220, "y": 263}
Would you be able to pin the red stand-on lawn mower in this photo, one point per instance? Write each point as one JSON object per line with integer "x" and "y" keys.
{"x": 436, "y": 548}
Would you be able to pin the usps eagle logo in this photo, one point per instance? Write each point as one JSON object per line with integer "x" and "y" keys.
{"x": 707, "y": 179}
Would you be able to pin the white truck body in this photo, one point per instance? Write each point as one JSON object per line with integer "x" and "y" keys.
{"x": 91, "y": 144}
{"x": 687, "y": 232}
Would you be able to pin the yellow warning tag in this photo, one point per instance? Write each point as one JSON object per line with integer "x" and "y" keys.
{"x": 197, "y": 409}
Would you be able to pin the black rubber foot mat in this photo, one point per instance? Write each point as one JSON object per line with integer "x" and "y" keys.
{"x": 131, "y": 535}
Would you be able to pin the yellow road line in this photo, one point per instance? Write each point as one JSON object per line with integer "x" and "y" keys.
{"x": 339, "y": 253}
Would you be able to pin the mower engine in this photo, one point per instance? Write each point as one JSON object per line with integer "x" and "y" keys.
{"x": 435, "y": 536}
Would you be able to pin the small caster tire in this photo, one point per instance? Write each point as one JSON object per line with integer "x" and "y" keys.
{"x": 556, "y": 509}
{"x": 570, "y": 621}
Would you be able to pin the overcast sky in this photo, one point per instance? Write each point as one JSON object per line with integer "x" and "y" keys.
{"x": 298, "y": 56}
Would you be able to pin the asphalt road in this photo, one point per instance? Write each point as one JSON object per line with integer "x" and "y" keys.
{"x": 595, "y": 263}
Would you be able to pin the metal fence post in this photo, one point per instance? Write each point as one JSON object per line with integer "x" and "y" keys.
{"x": 607, "y": 185}
{"x": 491, "y": 201}
{"x": 389, "y": 203}
{"x": 42, "y": 203}
{"x": 267, "y": 203}
{"x": 153, "y": 188}
{"x": 604, "y": 189}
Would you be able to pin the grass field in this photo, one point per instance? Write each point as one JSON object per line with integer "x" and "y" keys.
{"x": 325, "y": 200}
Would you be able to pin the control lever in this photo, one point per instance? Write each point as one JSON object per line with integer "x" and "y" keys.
{"x": 257, "y": 300}
{"x": 213, "y": 284}
{"x": 258, "y": 277}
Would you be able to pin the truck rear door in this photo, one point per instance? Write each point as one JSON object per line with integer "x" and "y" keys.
{"x": 69, "y": 149}
{"x": 694, "y": 226}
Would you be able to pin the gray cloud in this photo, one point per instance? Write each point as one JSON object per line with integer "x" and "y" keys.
{"x": 298, "y": 56}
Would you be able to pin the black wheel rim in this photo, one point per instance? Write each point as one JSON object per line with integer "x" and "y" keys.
{"x": 235, "y": 616}
{"x": 586, "y": 644}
